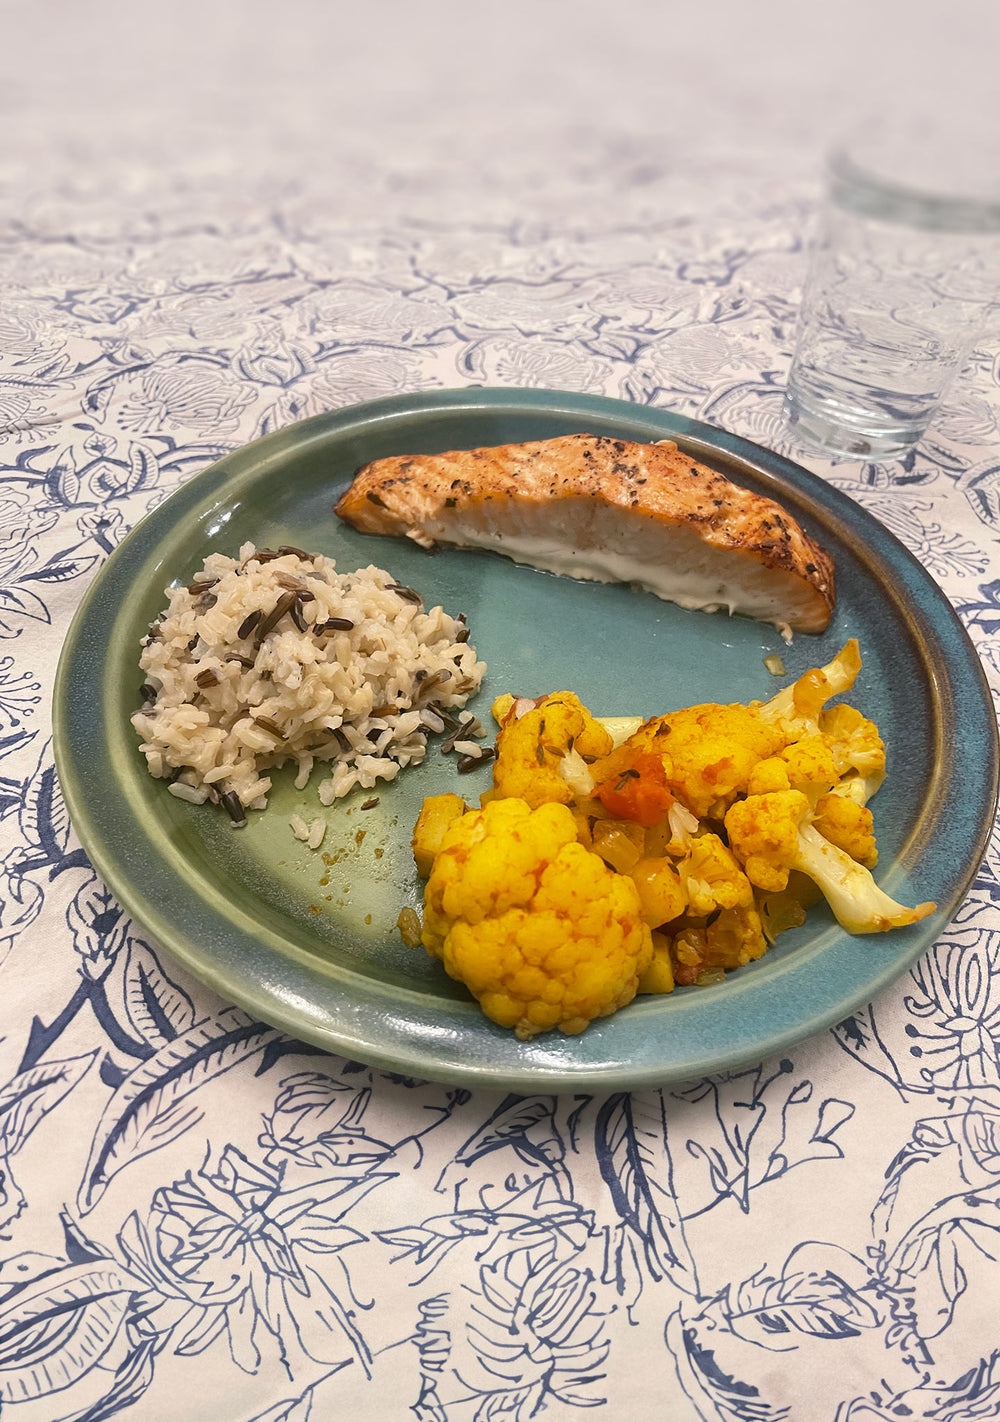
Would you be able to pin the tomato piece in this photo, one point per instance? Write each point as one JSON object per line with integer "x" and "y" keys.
{"x": 639, "y": 792}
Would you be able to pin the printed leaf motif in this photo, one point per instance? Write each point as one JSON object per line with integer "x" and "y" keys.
{"x": 16, "y": 604}
{"x": 538, "y": 1332}
{"x": 98, "y": 925}
{"x": 433, "y": 1339}
{"x": 716, "y": 1393}
{"x": 61, "y": 572}
{"x": 55, "y": 1330}
{"x": 44, "y": 820}
{"x": 981, "y": 1137}
{"x": 935, "y": 1255}
{"x": 32, "y": 1094}
{"x": 858, "y": 1035}
{"x": 100, "y": 443}
{"x": 142, "y": 467}
{"x": 157, "y": 1008}
{"x": 132, "y": 1379}
{"x": 149, "y": 1110}
{"x": 66, "y": 481}
{"x": 771, "y": 1311}
{"x": 632, "y": 1152}
{"x": 525, "y": 1122}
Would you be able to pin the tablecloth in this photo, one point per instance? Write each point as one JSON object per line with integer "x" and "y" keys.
{"x": 215, "y": 223}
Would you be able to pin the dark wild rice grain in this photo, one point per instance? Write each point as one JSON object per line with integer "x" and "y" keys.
{"x": 285, "y": 601}
{"x": 234, "y": 805}
{"x": 407, "y": 594}
{"x": 267, "y": 724}
{"x": 249, "y": 623}
{"x": 465, "y": 763}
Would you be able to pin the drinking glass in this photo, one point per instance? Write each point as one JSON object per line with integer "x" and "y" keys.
{"x": 904, "y": 279}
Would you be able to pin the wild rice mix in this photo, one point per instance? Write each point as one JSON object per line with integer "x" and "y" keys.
{"x": 275, "y": 657}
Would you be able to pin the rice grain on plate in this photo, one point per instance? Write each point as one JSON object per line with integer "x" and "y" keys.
{"x": 275, "y": 657}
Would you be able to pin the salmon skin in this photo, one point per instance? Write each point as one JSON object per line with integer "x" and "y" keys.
{"x": 611, "y": 511}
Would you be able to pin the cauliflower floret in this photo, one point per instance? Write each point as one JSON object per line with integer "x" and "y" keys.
{"x": 772, "y": 834}
{"x": 763, "y": 832}
{"x": 531, "y": 748}
{"x": 805, "y": 765}
{"x": 708, "y": 753}
{"x": 712, "y": 878}
{"x": 848, "y": 824}
{"x": 797, "y": 709}
{"x": 538, "y": 928}
{"x": 855, "y": 745}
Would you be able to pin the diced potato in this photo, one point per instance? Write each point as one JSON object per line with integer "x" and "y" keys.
{"x": 659, "y": 976}
{"x": 661, "y": 893}
{"x": 437, "y": 813}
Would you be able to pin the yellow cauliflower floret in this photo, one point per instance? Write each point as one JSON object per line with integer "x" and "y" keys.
{"x": 712, "y": 878}
{"x": 855, "y": 744}
{"x": 538, "y": 928}
{"x": 531, "y": 747}
{"x": 709, "y": 753}
{"x": 848, "y": 825}
{"x": 764, "y": 832}
{"x": 773, "y": 834}
{"x": 769, "y": 775}
{"x": 810, "y": 765}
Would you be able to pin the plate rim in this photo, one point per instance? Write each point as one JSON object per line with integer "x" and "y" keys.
{"x": 705, "y": 442}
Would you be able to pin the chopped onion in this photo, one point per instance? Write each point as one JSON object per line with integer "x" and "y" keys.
{"x": 408, "y": 924}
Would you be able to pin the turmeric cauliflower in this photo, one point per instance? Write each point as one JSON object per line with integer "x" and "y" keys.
{"x": 712, "y": 877}
{"x": 622, "y": 856}
{"x": 774, "y": 833}
{"x": 538, "y": 928}
{"x": 708, "y": 753}
{"x": 532, "y": 749}
{"x": 849, "y": 825}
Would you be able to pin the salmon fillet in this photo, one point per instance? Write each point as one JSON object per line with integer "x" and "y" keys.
{"x": 611, "y": 511}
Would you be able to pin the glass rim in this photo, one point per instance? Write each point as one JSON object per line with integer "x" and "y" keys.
{"x": 854, "y": 186}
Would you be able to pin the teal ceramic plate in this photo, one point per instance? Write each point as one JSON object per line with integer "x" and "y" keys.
{"x": 307, "y": 940}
